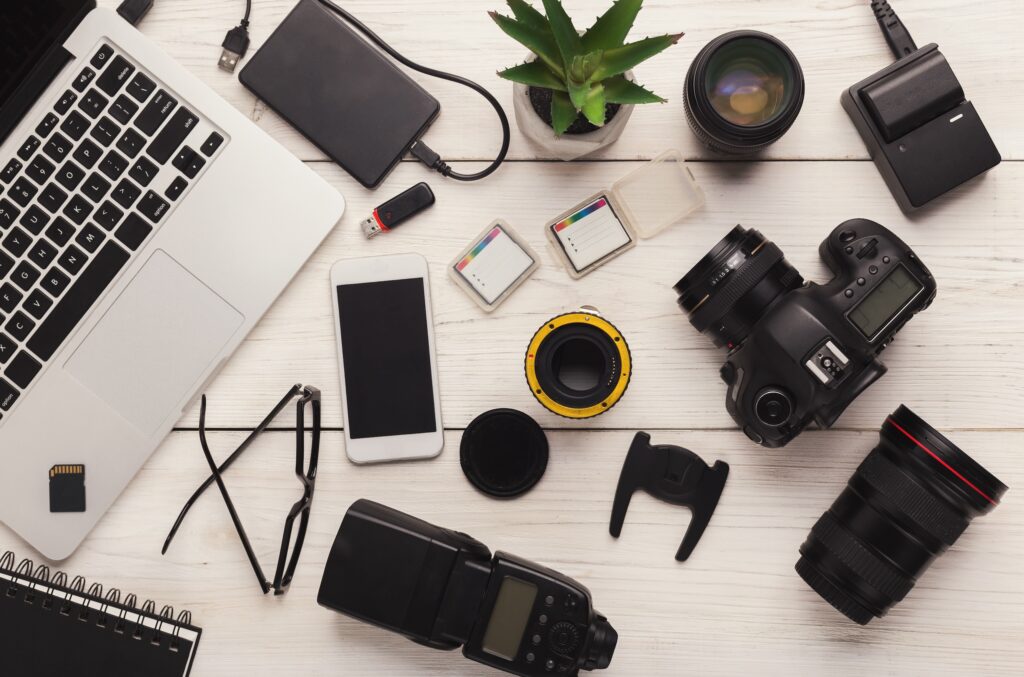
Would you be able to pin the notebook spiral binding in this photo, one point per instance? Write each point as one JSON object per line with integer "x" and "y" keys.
{"x": 35, "y": 584}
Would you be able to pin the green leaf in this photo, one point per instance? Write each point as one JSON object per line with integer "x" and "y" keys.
{"x": 566, "y": 36}
{"x": 611, "y": 28}
{"x": 578, "y": 93}
{"x": 620, "y": 90}
{"x": 537, "y": 41}
{"x": 534, "y": 74}
{"x": 582, "y": 68}
{"x": 563, "y": 113}
{"x": 621, "y": 59}
{"x": 527, "y": 14}
{"x": 594, "y": 107}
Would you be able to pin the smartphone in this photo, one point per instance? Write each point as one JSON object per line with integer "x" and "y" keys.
{"x": 385, "y": 334}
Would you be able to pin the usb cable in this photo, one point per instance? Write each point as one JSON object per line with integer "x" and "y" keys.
{"x": 236, "y": 43}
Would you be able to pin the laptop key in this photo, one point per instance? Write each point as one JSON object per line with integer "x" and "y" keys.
{"x": 100, "y": 59}
{"x": 73, "y": 259}
{"x": 143, "y": 172}
{"x": 90, "y": 238}
{"x": 126, "y": 194}
{"x": 52, "y": 198}
{"x": 42, "y": 253}
{"x": 22, "y": 370}
{"x": 75, "y": 125}
{"x": 108, "y": 216}
{"x": 28, "y": 148}
{"x": 153, "y": 207}
{"x": 113, "y": 165}
{"x": 7, "y": 348}
{"x": 22, "y": 192}
{"x": 80, "y": 297}
{"x": 131, "y": 143}
{"x": 176, "y": 188}
{"x": 172, "y": 136}
{"x": 83, "y": 79}
{"x": 40, "y": 169}
{"x": 25, "y": 275}
{"x": 154, "y": 114}
{"x": 8, "y": 395}
{"x": 70, "y": 175}
{"x": 105, "y": 131}
{"x": 123, "y": 109}
{"x": 134, "y": 231}
{"x": 10, "y": 171}
{"x": 65, "y": 102}
{"x": 60, "y": 232}
{"x": 34, "y": 220}
{"x": 55, "y": 282}
{"x": 93, "y": 103}
{"x": 20, "y": 326}
{"x": 115, "y": 76}
{"x": 141, "y": 87}
{"x": 17, "y": 241}
{"x": 95, "y": 187}
{"x": 8, "y": 213}
{"x": 37, "y": 304}
{"x": 9, "y": 296}
{"x": 211, "y": 144}
{"x": 78, "y": 209}
{"x": 57, "y": 148}
{"x": 6, "y": 264}
{"x": 88, "y": 154}
{"x": 47, "y": 125}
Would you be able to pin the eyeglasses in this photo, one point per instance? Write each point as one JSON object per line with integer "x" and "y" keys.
{"x": 304, "y": 470}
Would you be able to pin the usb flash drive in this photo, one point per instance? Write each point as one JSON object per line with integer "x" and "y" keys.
{"x": 392, "y": 213}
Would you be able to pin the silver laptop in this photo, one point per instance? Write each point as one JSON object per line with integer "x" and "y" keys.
{"x": 145, "y": 227}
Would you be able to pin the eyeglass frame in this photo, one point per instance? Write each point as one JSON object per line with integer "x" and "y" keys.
{"x": 283, "y": 574}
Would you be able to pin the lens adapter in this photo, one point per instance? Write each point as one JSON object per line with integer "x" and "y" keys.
{"x": 743, "y": 91}
{"x": 578, "y": 364}
{"x": 909, "y": 500}
{"x": 729, "y": 290}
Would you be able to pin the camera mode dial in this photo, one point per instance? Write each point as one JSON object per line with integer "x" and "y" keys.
{"x": 773, "y": 407}
{"x": 564, "y": 638}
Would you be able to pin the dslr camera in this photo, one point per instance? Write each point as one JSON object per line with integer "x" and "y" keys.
{"x": 443, "y": 589}
{"x": 801, "y": 352}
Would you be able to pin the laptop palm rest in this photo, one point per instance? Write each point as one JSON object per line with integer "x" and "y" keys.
{"x": 154, "y": 343}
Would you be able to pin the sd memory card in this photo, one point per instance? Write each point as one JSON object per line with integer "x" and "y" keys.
{"x": 67, "y": 488}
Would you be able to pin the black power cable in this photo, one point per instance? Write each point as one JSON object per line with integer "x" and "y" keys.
{"x": 896, "y": 34}
{"x": 419, "y": 149}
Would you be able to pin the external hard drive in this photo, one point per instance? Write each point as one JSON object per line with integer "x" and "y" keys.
{"x": 341, "y": 93}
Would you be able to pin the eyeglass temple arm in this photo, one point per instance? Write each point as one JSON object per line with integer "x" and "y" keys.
{"x": 230, "y": 459}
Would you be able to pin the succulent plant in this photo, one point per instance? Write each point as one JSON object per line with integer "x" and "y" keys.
{"x": 584, "y": 71}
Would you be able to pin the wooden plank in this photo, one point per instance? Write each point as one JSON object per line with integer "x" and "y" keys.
{"x": 955, "y": 362}
{"x": 837, "y": 43}
{"x": 736, "y": 607}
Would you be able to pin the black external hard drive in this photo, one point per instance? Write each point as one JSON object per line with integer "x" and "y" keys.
{"x": 341, "y": 93}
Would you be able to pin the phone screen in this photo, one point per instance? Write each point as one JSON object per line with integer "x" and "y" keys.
{"x": 385, "y": 345}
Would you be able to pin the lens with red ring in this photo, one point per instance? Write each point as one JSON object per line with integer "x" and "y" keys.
{"x": 908, "y": 502}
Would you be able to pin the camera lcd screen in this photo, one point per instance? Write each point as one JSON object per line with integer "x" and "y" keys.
{"x": 385, "y": 344}
{"x": 884, "y": 301}
{"x": 509, "y": 618}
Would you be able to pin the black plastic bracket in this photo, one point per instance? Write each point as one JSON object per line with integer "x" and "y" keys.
{"x": 675, "y": 475}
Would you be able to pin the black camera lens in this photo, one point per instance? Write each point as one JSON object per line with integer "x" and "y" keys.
{"x": 909, "y": 500}
{"x": 729, "y": 290}
{"x": 743, "y": 91}
{"x": 773, "y": 407}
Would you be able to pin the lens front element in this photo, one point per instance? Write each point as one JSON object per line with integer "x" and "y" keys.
{"x": 749, "y": 81}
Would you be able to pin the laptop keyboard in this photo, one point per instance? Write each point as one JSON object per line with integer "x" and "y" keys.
{"x": 80, "y": 197}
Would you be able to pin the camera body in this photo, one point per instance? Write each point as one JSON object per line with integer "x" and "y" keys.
{"x": 803, "y": 352}
{"x": 443, "y": 589}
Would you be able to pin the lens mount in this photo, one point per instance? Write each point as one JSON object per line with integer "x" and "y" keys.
{"x": 743, "y": 91}
{"x": 578, "y": 365}
{"x": 731, "y": 288}
{"x": 910, "y": 500}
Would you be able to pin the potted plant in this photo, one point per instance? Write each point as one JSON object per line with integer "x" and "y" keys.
{"x": 575, "y": 93}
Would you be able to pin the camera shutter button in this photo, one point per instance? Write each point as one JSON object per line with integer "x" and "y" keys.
{"x": 847, "y": 236}
{"x": 564, "y": 638}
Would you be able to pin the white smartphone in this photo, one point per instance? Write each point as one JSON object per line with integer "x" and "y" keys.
{"x": 385, "y": 334}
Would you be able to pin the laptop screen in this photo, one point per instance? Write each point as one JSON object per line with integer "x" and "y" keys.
{"x": 28, "y": 28}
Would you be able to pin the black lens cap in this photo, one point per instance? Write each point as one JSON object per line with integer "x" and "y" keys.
{"x": 504, "y": 453}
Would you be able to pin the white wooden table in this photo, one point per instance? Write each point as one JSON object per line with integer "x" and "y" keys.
{"x": 737, "y": 607}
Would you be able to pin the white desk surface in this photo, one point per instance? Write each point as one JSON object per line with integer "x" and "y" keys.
{"x": 737, "y": 607}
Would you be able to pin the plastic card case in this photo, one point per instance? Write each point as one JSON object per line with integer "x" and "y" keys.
{"x": 493, "y": 266}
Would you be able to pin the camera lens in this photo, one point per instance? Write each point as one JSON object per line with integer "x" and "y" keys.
{"x": 729, "y": 290}
{"x": 909, "y": 500}
{"x": 773, "y": 407}
{"x": 743, "y": 92}
{"x": 578, "y": 364}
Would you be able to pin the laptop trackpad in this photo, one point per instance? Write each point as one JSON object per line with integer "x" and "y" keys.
{"x": 148, "y": 351}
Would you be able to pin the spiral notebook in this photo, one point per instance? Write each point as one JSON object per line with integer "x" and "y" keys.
{"x": 51, "y": 627}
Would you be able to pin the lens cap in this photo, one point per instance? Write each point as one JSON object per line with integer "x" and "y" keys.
{"x": 504, "y": 453}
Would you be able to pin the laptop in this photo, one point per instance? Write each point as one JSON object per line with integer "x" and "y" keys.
{"x": 145, "y": 227}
